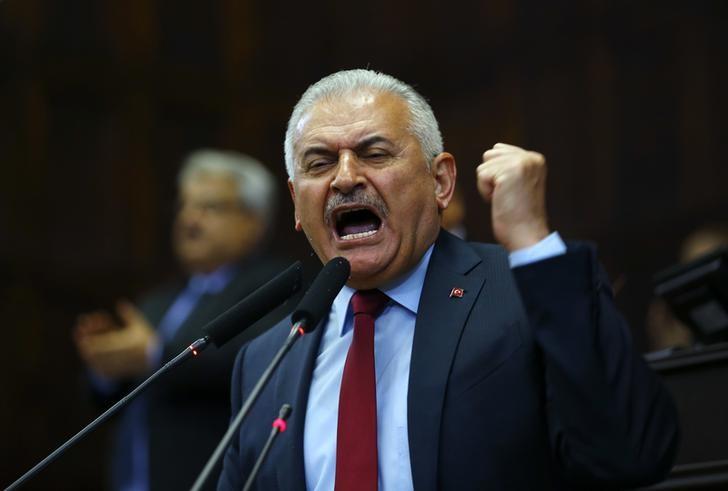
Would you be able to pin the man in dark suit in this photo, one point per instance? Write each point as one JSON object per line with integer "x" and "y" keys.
{"x": 226, "y": 204}
{"x": 442, "y": 364}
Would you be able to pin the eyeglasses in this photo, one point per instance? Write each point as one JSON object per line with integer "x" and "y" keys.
{"x": 209, "y": 207}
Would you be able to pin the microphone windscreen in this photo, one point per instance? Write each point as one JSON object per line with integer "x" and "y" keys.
{"x": 317, "y": 301}
{"x": 256, "y": 305}
{"x": 285, "y": 411}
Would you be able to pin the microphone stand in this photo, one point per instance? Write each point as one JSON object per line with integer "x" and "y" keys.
{"x": 191, "y": 351}
{"x": 310, "y": 311}
{"x": 219, "y": 331}
{"x": 279, "y": 426}
{"x": 296, "y": 332}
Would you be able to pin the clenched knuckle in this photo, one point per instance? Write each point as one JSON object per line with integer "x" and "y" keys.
{"x": 537, "y": 158}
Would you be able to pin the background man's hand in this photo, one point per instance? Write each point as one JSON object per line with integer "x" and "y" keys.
{"x": 513, "y": 180}
{"x": 115, "y": 351}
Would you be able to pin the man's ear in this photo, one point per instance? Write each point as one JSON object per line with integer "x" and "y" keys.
{"x": 297, "y": 223}
{"x": 445, "y": 172}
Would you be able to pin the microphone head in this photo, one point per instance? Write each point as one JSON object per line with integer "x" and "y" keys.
{"x": 256, "y": 305}
{"x": 285, "y": 411}
{"x": 318, "y": 299}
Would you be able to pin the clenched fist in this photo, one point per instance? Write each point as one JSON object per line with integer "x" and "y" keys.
{"x": 513, "y": 181}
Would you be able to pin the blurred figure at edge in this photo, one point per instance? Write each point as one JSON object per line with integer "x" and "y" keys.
{"x": 664, "y": 330}
{"x": 226, "y": 208}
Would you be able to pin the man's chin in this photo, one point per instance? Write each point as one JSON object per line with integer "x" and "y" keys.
{"x": 194, "y": 261}
{"x": 366, "y": 271}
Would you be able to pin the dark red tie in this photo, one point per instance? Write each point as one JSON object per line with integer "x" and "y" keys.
{"x": 356, "y": 437}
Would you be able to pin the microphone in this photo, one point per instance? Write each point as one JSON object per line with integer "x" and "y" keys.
{"x": 220, "y": 330}
{"x": 279, "y": 426}
{"x": 253, "y": 307}
{"x": 317, "y": 301}
{"x": 311, "y": 309}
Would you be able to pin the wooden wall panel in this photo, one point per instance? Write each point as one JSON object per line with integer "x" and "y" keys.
{"x": 100, "y": 100}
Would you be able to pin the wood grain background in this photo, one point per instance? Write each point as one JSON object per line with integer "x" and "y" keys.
{"x": 100, "y": 100}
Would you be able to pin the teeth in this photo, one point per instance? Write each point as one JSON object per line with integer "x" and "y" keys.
{"x": 360, "y": 235}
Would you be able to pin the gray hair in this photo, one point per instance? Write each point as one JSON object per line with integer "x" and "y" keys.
{"x": 422, "y": 124}
{"x": 256, "y": 185}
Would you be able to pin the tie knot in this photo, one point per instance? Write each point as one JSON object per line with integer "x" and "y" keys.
{"x": 370, "y": 302}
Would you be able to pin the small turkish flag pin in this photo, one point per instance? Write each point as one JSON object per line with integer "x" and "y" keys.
{"x": 457, "y": 292}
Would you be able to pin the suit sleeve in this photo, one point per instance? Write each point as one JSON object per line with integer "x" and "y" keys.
{"x": 231, "y": 478}
{"x": 610, "y": 419}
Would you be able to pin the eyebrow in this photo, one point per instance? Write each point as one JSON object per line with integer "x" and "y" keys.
{"x": 372, "y": 140}
{"x": 365, "y": 143}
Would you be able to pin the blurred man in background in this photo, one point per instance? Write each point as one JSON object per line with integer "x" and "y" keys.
{"x": 664, "y": 330}
{"x": 226, "y": 209}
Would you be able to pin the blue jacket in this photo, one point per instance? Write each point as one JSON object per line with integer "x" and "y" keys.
{"x": 529, "y": 381}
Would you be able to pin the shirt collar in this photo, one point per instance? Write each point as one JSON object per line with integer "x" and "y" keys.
{"x": 213, "y": 282}
{"x": 405, "y": 291}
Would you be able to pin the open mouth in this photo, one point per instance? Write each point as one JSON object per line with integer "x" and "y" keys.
{"x": 357, "y": 223}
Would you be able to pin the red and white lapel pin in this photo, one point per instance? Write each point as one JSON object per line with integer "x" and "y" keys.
{"x": 457, "y": 292}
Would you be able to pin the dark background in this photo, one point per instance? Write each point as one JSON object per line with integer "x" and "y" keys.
{"x": 100, "y": 100}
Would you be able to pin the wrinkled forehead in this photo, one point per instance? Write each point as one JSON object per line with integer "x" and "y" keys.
{"x": 351, "y": 116}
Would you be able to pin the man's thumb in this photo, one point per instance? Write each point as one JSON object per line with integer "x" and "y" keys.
{"x": 128, "y": 312}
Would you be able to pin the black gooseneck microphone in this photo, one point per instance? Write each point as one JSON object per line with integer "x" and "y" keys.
{"x": 312, "y": 308}
{"x": 255, "y": 306}
{"x": 279, "y": 426}
{"x": 317, "y": 301}
{"x": 219, "y": 331}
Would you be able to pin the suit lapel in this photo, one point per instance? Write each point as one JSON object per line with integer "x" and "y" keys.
{"x": 292, "y": 387}
{"x": 440, "y": 321}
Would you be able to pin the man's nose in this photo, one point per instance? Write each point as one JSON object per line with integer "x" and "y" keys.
{"x": 348, "y": 173}
{"x": 189, "y": 213}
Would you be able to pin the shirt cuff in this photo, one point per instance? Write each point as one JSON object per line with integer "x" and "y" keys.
{"x": 550, "y": 246}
